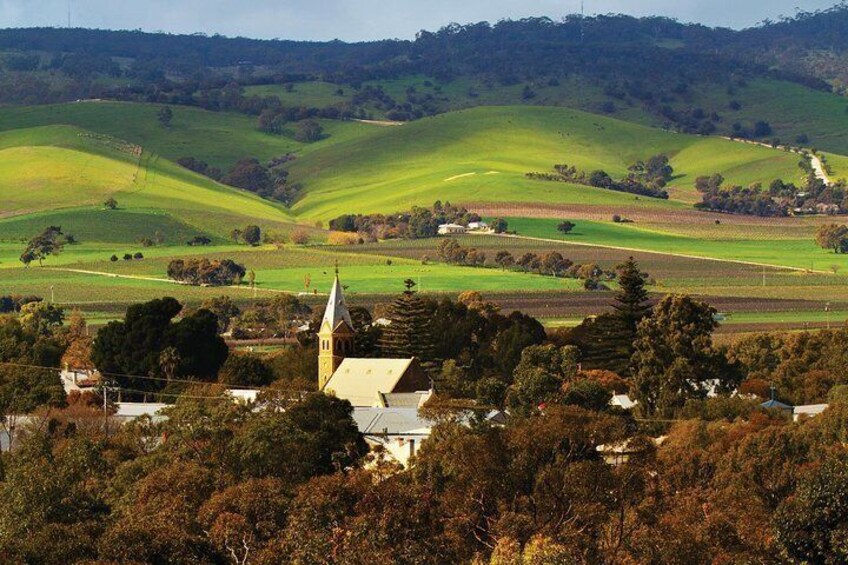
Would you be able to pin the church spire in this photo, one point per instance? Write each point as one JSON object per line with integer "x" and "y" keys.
{"x": 337, "y": 311}
{"x": 336, "y": 335}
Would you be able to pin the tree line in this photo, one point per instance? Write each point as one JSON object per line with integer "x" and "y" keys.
{"x": 551, "y": 264}
{"x": 645, "y": 178}
{"x": 417, "y": 223}
{"x": 779, "y": 199}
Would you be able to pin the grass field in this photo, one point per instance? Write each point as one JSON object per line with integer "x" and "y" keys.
{"x": 795, "y": 253}
{"x": 790, "y": 108}
{"x": 220, "y": 138}
{"x": 54, "y": 172}
{"x": 482, "y": 155}
{"x": 62, "y": 175}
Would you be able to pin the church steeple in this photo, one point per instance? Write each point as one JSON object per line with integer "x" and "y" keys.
{"x": 335, "y": 337}
{"x": 337, "y": 311}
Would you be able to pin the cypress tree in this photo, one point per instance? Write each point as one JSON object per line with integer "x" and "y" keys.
{"x": 408, "y": 334}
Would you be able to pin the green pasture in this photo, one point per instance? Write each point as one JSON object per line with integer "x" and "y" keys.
{"x": 219, "y": 138}
{"x": 798, "y": 253}
{"x": 71, "y": 172}
{"x": 482, "y": 155}
{"x": 85, "y": 275}
{"x": 791, "y": 109}
{"x": 316, "y": 94}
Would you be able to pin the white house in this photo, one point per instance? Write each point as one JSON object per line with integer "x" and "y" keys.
{"x": 77, "y": 380}
{"x": 808, "y": 411}
{"x": 452, "y": 229}
{"x": 478, "y": 226}
{"x": 622, "y": 401}
{"x": 399, "y": 431}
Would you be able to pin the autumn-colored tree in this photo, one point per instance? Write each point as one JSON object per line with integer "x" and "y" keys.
{"x": 832, "y": 236}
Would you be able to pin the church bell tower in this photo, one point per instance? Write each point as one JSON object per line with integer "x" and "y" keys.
{"x": 335, "y": 337}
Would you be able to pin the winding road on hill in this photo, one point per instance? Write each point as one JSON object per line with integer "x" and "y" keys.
{"x": 815, "y": 161}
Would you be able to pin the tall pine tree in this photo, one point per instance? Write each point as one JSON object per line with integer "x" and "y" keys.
{"x": 631, "y": 301}
{"x": 408, "y": 334}
{"x": 607, "y": 340}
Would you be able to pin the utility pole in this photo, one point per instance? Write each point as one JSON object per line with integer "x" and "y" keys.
{"x": 582, "y": 17}
{"x": 827, "y": 313}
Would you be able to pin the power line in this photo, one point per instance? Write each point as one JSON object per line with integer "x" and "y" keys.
{"x": 125, "y": 375}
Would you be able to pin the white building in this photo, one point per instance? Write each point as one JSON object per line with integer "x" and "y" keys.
{"x": 452, "y": 229}
{"x": 623, "y": 401}
{"x": 78, "y": 380}
{"x": 808, "y": 411}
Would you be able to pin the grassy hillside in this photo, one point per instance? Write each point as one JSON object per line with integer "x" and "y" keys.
{"x": 62, "y": 175}
{"x": 220, "y": 138}
{"x": 790, "y": 108}
{"x": 482, "y": 154}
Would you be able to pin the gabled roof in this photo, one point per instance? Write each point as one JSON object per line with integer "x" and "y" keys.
{"x": 392, "y": 421}
{"x": 622, "y": 400}
{"x": 337, "y": 311}
{"x": 776, "y": 404}
{"x": 361, "y": 381}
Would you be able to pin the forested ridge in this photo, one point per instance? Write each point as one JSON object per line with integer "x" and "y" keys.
{"x": 608, "y": 48}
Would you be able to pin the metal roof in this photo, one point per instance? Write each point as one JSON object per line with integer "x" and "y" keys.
{"x": 391, "y": 421}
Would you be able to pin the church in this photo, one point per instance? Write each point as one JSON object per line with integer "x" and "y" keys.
{"x": 374, "y": 383}
{"x": 385, "y": 393}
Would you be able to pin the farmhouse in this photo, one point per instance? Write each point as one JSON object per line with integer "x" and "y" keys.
{"x": 452, "y": 229}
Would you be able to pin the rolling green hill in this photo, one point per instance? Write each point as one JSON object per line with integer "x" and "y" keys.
{"x": 792, "y": 110}
{"x": 63, "y": 174}
{"x": 220, "y": 138}
{"x": 481, "y": 155}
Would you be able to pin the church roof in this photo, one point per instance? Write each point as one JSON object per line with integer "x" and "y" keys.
{"x": 337, "y": 311}
{"x": 361, "y": 381}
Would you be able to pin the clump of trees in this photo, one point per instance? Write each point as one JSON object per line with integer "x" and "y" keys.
{"x": 418, "y": 223}
{"x": 268, "y": 180}
{"x": 646, "y": 178}
{"x": 206, "y": 272}
{"x": 552, "y": 264}
{"x": 200, "y": 167}
{"x": 11, "y": 303}
{"x": 147, "y": 342}
{"x": 199, "y": 240}
{"x": 779, "y": 199}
